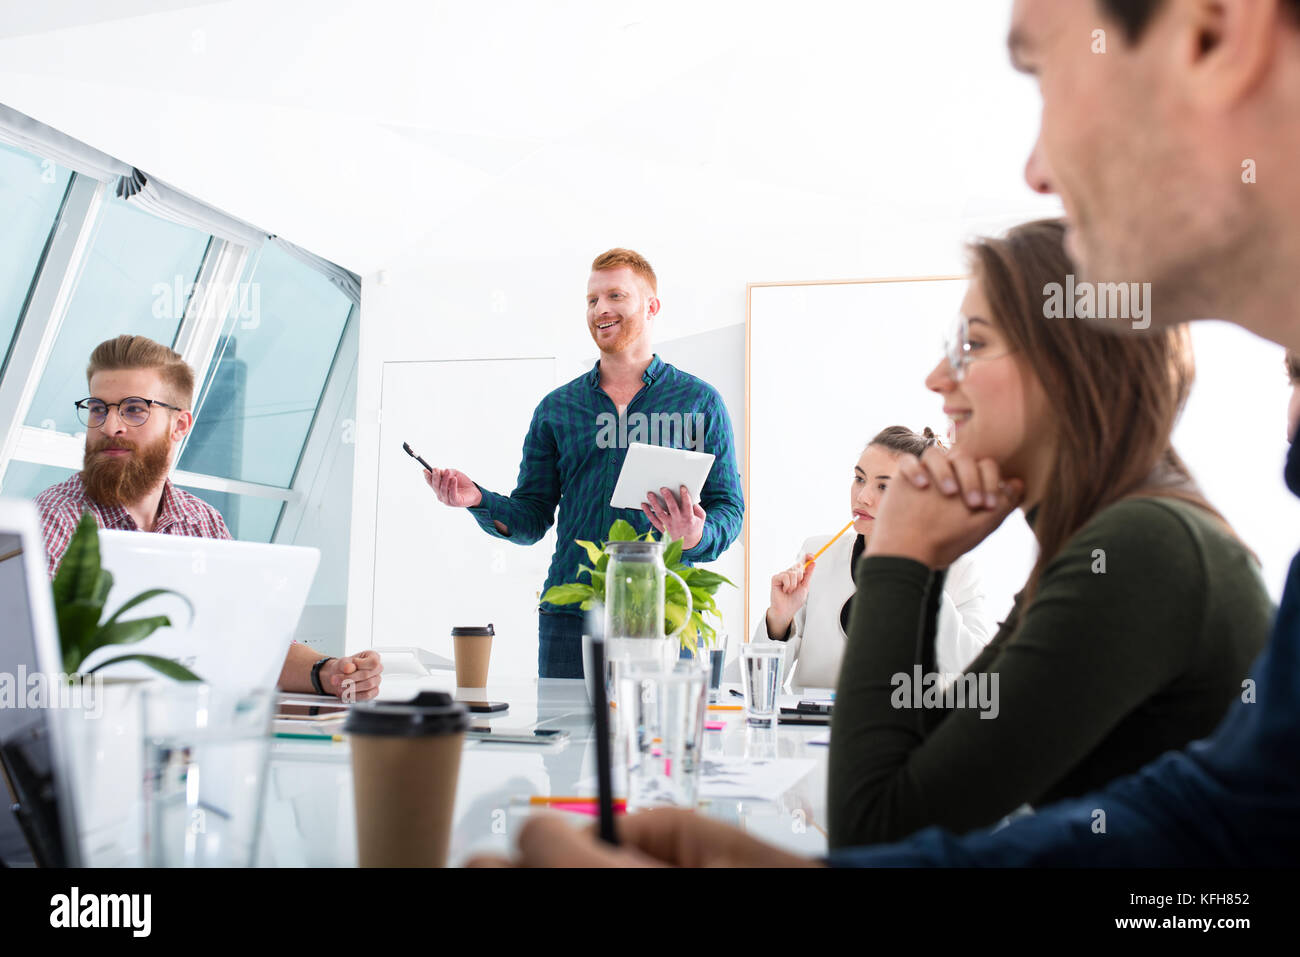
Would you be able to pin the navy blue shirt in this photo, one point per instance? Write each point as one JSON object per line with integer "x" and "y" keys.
{"x": 574, "y": 451}
{"x": 1230, "y": 800}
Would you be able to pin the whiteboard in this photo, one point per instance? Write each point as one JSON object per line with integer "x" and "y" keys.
{"x": 434, "y": 567}
{"x": 831, "y": 364}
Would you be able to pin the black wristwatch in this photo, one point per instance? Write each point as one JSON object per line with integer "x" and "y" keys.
{"x": 315, "y": 674}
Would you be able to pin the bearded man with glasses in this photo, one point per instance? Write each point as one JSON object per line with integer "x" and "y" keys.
{"x": 136, "y": 416}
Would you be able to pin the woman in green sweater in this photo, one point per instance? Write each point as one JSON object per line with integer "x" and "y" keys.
{"x": 1139, "y": 620}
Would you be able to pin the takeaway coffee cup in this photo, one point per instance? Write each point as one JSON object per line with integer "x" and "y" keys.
{"x": 473, "y": 649}
{"x": 405, "y": 761}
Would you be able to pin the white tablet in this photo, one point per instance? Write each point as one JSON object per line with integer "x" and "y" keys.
{"x": 648, "y": 468}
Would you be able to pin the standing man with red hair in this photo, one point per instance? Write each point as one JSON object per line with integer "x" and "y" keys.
{"x": 578, "y": 439}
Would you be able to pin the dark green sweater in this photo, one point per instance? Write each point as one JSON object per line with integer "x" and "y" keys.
{"x": 1107, "y": 670}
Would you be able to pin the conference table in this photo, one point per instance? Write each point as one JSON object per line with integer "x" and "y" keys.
{"x": 308, "y": 818}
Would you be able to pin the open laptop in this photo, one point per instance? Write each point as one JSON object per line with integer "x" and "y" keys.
{"x": 246, "y": 597}
{"x": 33, "y": 752}
{"x": 244, "y": 602}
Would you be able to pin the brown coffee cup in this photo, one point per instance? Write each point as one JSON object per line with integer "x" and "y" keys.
{"x": 405, "y": 762}
{"x": 473, "y": 649}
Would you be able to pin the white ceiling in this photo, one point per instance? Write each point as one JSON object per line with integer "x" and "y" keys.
{"x": 366, "y": 130}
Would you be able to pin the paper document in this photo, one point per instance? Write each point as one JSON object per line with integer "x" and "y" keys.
{"x": 731, "y": 776}
{"x": 648, "y": 468}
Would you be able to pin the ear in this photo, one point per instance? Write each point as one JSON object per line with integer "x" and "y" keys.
{"x": 181, "y": 427}
{"x": 1228, "y": 46}
{"x": 652, "y": 307}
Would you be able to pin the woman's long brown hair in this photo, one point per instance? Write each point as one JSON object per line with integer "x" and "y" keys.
{"x": 1113, "y": 397}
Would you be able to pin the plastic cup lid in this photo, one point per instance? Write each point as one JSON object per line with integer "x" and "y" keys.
{"x": 428, "y": 714}
{"x": 479, "y": 631}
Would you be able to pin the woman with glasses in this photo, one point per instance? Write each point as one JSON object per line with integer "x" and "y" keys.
{"x": 811, "y": 616}
{"x": 1139, "y": 620}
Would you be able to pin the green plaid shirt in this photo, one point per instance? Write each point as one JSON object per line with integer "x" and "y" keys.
{"x": 574, "y": 451}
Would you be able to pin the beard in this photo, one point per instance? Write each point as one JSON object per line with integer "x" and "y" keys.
{"x": 121, "y": 480}
{"x": 627, "y": 332}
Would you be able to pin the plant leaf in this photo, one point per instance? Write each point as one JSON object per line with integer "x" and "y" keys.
{"x": 690, "y": 635}
{"x": 673, "y": 553}
{"x": 78, "y": 571}
{"x": 103, "y": 585}
{"x": 143, "y": 597}
{"x": 675, "y": 615}
{"x": 603, "y": 563}
{"x": 622, "y": 531}
{"x": 568, "y": 594}
{"x": 703, "y": 578}
{"x": 78, "y": 622}
{"x": 593, "y": 550}
{"x": 128, "y": 632}
{"x": 707, "y": 634}
{"x": 703, "y": 600}
{"x": 168, "y": 667}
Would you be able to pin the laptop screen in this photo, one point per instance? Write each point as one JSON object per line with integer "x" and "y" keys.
{"x": 32, "y": 833}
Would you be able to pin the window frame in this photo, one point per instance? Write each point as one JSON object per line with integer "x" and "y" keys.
{"x": 56, "y": 278}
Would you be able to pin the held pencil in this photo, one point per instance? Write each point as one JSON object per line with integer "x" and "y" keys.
{"x": 829, "y": 544}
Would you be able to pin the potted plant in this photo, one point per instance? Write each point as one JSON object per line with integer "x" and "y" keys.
{"x": 702, "y": 583}
{"x": 80, "y": 589}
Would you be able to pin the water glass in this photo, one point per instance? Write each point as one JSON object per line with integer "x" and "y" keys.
{"x": 661, "y": 710}
{"x": 716, "y": 658}
{"x": 205, "y": 757}
{"x": 760, "y": 674}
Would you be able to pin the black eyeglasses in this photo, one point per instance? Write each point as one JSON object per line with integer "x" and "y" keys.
{"x": 132, "y": 410}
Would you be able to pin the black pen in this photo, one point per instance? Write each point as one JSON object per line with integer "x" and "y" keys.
{"x": 411, "y": 452}
{"x": 738, "y": 694}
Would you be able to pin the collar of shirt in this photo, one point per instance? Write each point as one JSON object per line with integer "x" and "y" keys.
{"x": 653, "y": 371}
{"x": 171, "y": 511}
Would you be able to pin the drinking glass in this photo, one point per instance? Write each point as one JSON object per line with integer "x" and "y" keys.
{"x": 205, "y": 757}
{"x": 760, "y": 675}
{"x": 661, "y": 709}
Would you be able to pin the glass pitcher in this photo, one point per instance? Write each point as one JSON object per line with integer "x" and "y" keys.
{"x": 634, "y": 602}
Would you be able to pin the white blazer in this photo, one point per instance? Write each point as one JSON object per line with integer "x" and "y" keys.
{"x": 817, "y": 638}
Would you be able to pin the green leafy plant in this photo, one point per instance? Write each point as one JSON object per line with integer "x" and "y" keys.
{"x": 80, "y": 590}
{"x": 702, "y": 583}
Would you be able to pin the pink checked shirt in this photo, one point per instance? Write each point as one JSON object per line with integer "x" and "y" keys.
{"x": 179, "y": 513}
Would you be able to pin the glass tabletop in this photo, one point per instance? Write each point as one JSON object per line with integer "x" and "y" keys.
{"x": 308, "y": 818}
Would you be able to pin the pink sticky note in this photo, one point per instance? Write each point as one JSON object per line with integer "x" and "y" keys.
{"x": 584, "y": 807}
{"x": 714, "y": 725}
